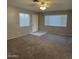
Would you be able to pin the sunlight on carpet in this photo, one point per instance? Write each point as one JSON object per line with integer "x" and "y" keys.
{"x": 38, "y": 33}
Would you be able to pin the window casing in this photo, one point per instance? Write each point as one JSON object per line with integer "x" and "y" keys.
{"x": 55, "y": 20}
{"x": 24, "y": 20}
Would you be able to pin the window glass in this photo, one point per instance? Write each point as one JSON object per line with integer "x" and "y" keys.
{"x": 56, "y": 20}
{"x": 24, "y": 19}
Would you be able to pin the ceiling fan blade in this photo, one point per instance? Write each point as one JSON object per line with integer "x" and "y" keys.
{"x": 35, "y": 0}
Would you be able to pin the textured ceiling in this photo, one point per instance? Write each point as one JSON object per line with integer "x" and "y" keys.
{"x": 53, "y": 5}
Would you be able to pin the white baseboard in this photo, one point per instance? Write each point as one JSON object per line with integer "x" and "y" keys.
{"x": 66, "y": 34}
{"x": 9, "y": 38}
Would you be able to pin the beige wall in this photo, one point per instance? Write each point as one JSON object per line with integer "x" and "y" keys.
{"x": 56, "y": 30}
{"x": 13, "y": 27}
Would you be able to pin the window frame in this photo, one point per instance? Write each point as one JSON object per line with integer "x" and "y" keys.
{"x": 29, "y": 19}
{"x": 55, "y": 26}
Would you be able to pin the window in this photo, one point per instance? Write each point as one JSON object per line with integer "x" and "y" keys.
{"x": 24, "y": 20}
{"x": 56, "y": 20}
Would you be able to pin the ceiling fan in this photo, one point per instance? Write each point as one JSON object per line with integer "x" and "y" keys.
{"x": 43, "y": 4}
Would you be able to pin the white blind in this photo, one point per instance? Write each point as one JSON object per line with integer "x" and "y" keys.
{"x": 56, "y": 20}
{"x": 24, "y": 19}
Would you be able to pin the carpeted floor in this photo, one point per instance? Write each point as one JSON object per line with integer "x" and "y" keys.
{"x": 48, "y": 46}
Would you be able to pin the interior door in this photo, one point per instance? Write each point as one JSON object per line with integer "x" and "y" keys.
{"x": 34, "y": 23}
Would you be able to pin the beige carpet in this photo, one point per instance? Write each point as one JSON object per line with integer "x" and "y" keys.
{"x": 46, "y": 47}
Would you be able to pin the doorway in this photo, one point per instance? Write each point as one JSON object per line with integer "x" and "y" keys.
{"x": 34, "y": 23}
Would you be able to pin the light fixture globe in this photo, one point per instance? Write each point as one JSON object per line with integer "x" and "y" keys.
{"x": 42, "y": 8}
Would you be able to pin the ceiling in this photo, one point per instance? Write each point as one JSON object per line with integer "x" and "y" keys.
{"x": 53, "y": 5}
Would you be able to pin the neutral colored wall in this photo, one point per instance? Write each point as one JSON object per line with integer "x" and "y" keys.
{"x": 14, "y": 30}
{"x": 13, "y": 27}
{"x": 56, "y": 30}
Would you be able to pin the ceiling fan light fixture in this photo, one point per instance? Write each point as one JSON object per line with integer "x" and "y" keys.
{"x": 42, "y": 4}
{"x": 42, "y": 8}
